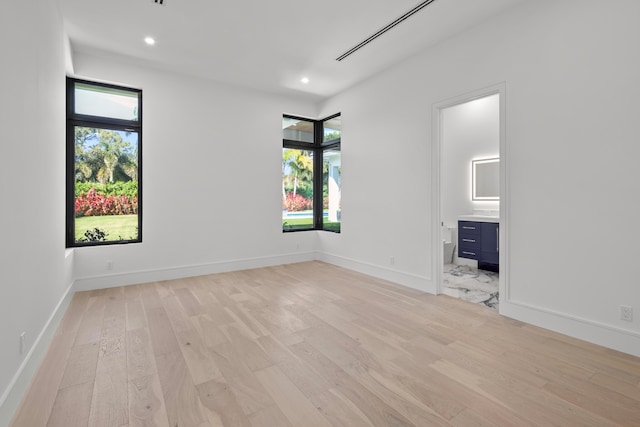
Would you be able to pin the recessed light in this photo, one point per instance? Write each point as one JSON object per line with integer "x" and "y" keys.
{"x": 305, "y": 80}
{"x": 150, "y": 41}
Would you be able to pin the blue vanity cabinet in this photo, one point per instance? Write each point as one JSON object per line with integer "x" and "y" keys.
{"x": 479, "y": 241}
{"x": 469, "y": 239}
{"x": 489, "y": 242}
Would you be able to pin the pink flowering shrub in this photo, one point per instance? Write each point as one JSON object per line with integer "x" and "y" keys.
{"x": 97, "y": 204}
{"x": 297, "y": 203}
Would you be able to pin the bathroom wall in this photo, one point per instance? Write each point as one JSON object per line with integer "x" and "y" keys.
{"x": 469, "y": 131}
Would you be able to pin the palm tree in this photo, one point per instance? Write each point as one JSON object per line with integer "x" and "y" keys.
{"x": 300, "y": 163}
{"x": 116, "y": 157}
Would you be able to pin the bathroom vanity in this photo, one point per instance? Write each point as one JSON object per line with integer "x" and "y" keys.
{"x": 479, "y": 239}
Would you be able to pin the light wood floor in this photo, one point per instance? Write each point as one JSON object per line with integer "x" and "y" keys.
{"x": 309, "y": 345}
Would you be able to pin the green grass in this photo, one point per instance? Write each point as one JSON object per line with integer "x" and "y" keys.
{"x": 306, "y": 223}
{"x": 117, "y": 227}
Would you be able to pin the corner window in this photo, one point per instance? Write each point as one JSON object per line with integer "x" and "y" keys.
{"x": 104, "y": 164}
{"x": 311, "y": 169}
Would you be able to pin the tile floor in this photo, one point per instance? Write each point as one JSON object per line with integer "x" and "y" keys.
{"x": 471, "y": 284}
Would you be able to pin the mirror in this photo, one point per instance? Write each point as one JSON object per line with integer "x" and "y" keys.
{"x": 485, "y": 179}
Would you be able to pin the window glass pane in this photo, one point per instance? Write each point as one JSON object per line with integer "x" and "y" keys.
{"x": 297, "y": 189}
{"x": 331, "y": 189}
{"x": 297, "y": 130}
{"x": 106, "y": 102}
{"x": 105, "y": 185}
{"x": 332, "y": 129}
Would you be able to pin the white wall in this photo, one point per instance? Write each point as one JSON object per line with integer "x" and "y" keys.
{"x": 211, "y": 180}
{"x": 571, "y": 71}
{"x": 469, "y": 131}
{"x": 33, "y": 273}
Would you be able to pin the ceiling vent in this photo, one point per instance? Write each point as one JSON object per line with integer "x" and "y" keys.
{"x": 384, "y": 29}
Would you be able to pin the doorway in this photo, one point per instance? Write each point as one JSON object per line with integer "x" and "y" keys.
{"x": 469, "y": 196}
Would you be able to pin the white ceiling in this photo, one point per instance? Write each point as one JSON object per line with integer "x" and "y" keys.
{"x": 269, "y": 44}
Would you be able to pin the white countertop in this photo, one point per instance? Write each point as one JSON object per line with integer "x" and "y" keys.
{"x": 479, "y": 218}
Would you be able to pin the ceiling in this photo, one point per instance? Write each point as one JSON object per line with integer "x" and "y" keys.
{"x": 269, "y": 45}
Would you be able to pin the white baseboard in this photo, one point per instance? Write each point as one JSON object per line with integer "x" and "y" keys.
{"x": 609, "y": 336}
{"x": 421, "y": 283}
{"x": 15, "y": 391}
{"x": 179, "y": 272}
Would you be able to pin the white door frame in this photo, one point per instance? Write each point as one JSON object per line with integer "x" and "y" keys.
{"x": 436, "y": 160}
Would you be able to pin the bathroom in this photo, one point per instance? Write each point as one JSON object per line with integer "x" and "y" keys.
{"x": 470, "y": 190}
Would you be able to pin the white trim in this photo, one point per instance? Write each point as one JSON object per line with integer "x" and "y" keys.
{"x": 414, "y": 281}
{"x": 179, "y": 272}
{"x": 436, "y": 159}
{"x": 17, "y": 388}
{"x": 624, "y": 340}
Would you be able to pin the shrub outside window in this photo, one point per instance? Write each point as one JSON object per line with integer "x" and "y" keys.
{"x": 104, "y": 164}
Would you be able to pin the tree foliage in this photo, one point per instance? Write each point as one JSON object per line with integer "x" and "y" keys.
{"x": 297, "y": 171}
{"x": 103, "y": 156}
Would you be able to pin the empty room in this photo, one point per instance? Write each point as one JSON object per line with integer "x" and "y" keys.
{"x": 349, "y": 213}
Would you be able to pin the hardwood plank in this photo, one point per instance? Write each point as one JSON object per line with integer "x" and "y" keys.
{"x": 190, "y": 303}
{"x": 136, "y": 318}
{"x": 221, "y": 404}
{"x": 72, "y": 406}
{"x": 250, "y": 394}
{"x": 339, "y": 410}
{"x": 81, "y": 365}
{"x": 252, "y": 354}
{"x": 289, "y": 398}
{"x": 109, "y": 403}
{"x": 468, "y": 418}
{"x": 269, "y": 417}
{"x": 376, "y": 411}
{"x": 198, "y": 357}
{"x": 180, "y": 395}
{"x": 163, "y": 338}
{"x": 176, "y": 312}
{"x": 618, "y": 407}
{"x": 449, "y": 398}
{"x": 90, "y": 329}
{"x": 146, "y": 403}
{"x": 140, "y": 358}
{"x": 209, "y": 330}
{"x": 382, "y": 384}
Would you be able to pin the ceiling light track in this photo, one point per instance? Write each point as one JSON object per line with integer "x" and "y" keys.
{"x": 386, "y": 28}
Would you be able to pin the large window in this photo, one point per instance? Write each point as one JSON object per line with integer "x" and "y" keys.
{"x": 104, "y": 164}
{"x": 311, "y": 172}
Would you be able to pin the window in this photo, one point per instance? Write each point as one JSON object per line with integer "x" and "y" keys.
{"x": 104, "y": 164}
{"x": 311, "y": 201}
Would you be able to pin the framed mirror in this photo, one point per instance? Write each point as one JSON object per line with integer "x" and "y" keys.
{"x": 485, "y": 179}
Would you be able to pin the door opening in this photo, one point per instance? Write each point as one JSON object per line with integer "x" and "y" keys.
{"x": 469, "y": 197}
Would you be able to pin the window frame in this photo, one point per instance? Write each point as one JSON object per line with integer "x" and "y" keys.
{"x": 84, "y": 120}
{"x": 318, "y": 147}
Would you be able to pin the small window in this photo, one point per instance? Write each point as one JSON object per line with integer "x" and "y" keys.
{"x": 104, "y": 159}
{"x": 106, "y": 102}
{"x": 311, "y": 201}
{"x": 332, "y": 129}
{"x": 295, "y": 129}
